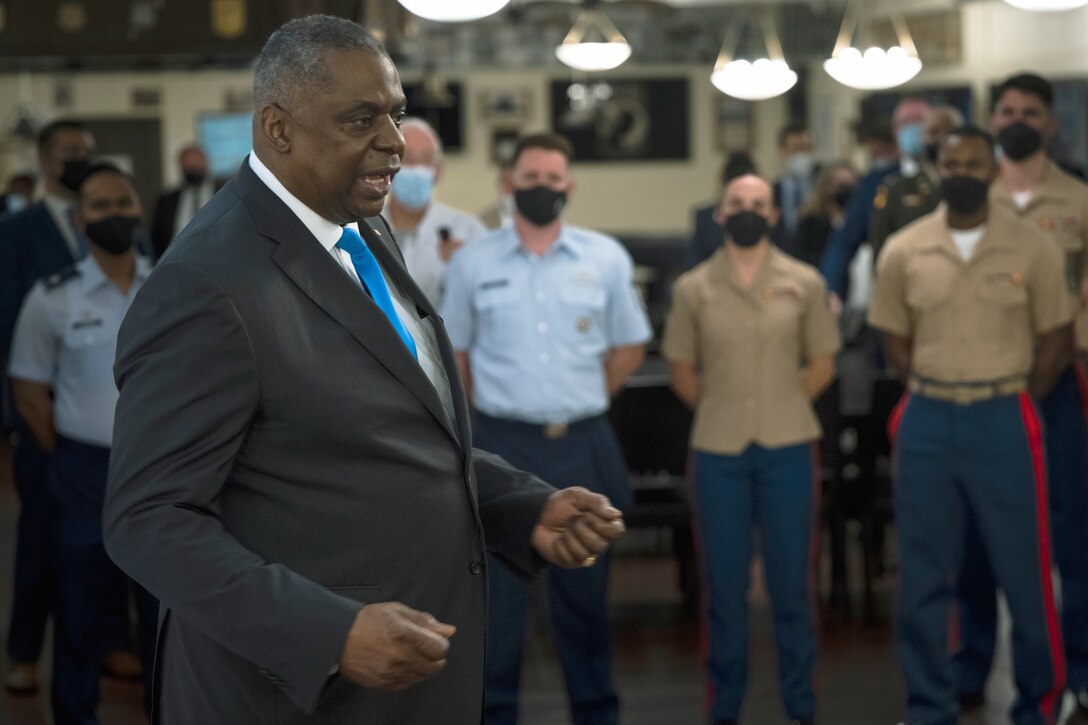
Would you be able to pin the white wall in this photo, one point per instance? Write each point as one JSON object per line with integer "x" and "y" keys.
{"x": 650, "y": 198}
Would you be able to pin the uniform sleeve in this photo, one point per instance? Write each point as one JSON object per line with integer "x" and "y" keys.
{"x": 888, "y": 311}
{"x": 1051, "y": 305}
{"x": 34, "y": 346}
{"x": 821, "y": 326}
{"x": 457, "y": 311}
{"x": 679, "y": 341}
{"x": 626, "y": 315}
{"x": 844, "y": 241}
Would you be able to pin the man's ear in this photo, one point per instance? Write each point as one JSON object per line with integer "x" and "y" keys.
{"x": 275, "y": 128}
{"x": 718, "y": 215}
{"x": 772, "y": 218}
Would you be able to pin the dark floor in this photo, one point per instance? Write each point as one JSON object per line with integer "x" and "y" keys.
{"x": 657, "y": 653}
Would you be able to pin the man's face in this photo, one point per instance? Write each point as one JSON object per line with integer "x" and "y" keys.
{"x": 747, "y": 193}
{"x": 419, "y": 149}
{"x": 966, "y": 156}
{"x": 193, "y": 161}
{"x": 939, "y": 123}
{"x": 105, "y": 195}
{"x": 909, "y": 111}
{"x": 1015, "y": 106}
{"x": 23, "y": 185}
{"x": 341, "y": 141}
{"x": 540, "y": 167}
{"x": 68, "y": 144}
{"x": 796, "y": 143}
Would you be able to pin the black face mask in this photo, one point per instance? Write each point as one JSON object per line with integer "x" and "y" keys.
{"x": 964, "y": 194}
{"x": 1019, "y": 140}
{"x": 75, "y": 171}
{"x": 932, "y": 149}
{"x": 540, "y": 205}
{"x": 115, "y": 234}
{"x": 746, "y": 228}
{"x": 194, "y": 178}
{"x": 842, "y": 196}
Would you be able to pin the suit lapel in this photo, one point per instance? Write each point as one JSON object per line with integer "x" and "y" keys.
{"x": 390, "y": 260}
{"x": 316, "y": 273}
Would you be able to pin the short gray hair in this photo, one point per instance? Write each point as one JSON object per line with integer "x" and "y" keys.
{"x": 294, "y": 55}
{"x": 421, "y": 125}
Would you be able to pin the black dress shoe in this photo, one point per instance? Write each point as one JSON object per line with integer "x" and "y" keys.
{"x": 971, "y": 702}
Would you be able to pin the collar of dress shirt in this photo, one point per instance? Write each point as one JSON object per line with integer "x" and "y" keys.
{"x": 327, "y": 232}
{"x": 908, "y": 166}
{"x": 564, "y": 242}
{"x": 92, "y": 277}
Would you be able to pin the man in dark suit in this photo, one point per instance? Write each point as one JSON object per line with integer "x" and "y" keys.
{"x": 36, "y": 242}
{"x": 709, "y": 234}
{"x": 173, "y": 211}
{"x": 292, "y": 472}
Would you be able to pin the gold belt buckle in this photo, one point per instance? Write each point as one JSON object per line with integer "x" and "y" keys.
{"x": 963, "y": 395}
{"x": 555, "y": 430}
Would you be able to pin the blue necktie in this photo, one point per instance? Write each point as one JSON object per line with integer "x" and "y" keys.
{"x": 370, "y": 274}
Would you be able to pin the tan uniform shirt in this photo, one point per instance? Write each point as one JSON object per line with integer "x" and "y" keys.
{"x": 749, "y": 346}
{"x": 1060, "y": 208}
{"x": 977, "y": 320}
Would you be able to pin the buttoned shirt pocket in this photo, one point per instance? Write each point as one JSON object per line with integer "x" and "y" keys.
{"x": 927, "y": 287}
{"x": 583, "y": 318}
{"x": 1006, "y": 299}
{"x": 500, "y": 310}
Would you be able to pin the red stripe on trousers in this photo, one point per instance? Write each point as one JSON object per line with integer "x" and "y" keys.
{"x": 1042, "y": 507}
{"x": 896, "y": 417}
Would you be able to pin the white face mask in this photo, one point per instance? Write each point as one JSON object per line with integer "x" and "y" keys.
{"x": 799, "y": 164}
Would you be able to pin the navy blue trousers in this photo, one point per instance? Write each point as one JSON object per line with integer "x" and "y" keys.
{"x": 772, "y": 491}
{"x": 30, "y": 597}
{"x": 1063, "y": 410}
{"x": 87, "y": 584}
{"x": 588, "y": 456}
{"x": 984, "y": 461}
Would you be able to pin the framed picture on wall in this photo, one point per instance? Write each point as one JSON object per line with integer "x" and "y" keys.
{"x": 734, "y": 128}
{"x": 623, "y": 120}
{"x": 505, "y": 106}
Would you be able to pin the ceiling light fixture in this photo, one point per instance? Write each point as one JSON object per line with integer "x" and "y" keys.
{"x": 876, "y": 68}
{"x": 453, "y": 11}
{"x": 1047, "y": 6}
{"x": 606, "y": 49}
{"x": 753, "y": 81}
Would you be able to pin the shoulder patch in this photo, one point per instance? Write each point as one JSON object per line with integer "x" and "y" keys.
{"x": 881, "y": 199}
{"x": 58, "y": 278}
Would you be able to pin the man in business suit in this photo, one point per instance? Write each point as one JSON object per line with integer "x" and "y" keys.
{"x": 36, "y": 242}
{"x": 173, "y": 211}
{"x": 292, "y": 472}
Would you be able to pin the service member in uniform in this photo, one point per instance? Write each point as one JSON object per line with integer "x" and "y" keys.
{"x": 62, "y": 374}
{"x": 751, "y": 341}
{"x": 547, "y": 324}
{"x": 1032, "y": 187}
{"x": 903, "y": 198}
{"x": 975, "y": 322}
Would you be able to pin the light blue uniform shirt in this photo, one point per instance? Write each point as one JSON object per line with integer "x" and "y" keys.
{"x": 66, "y": 336}
{"x": 536, "y": 328}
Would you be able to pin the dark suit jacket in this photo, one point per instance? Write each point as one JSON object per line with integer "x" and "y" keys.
{"x": 278, "y": 460}
{"x": 31, "y": 247}
{"x": 706, "y": 239}
{"x": 162, "y": 221}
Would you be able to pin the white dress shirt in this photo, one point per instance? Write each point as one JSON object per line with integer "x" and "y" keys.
{"x": 421, "y": 246}
{"x": 328, "y": 234}
{"x": 190, "y": 199}
{"x": 61, "y": 211}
